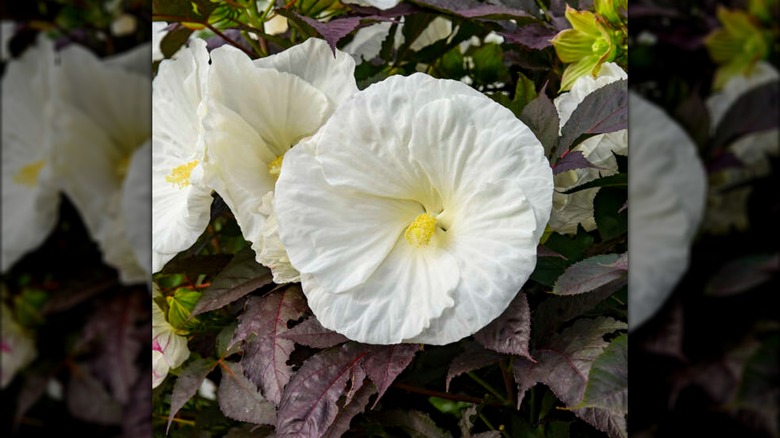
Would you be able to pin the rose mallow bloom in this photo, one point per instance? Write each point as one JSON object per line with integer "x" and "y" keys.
{"x": 255, "y": 112}
{"x": 169, "y": 346}
{"x": 181, "y": 201}
{"x": 415, "y": 212}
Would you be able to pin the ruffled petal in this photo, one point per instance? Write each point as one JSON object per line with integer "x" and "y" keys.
{"x": 410, "y": 288}
{"x": 478, "y": 142}
{"x": 281, "y": 107}
{"x": 314, "y": 62}
{"x": 384, "y": 113}
{"x": 494, "y": 242}
{"x": 339, "y": 236}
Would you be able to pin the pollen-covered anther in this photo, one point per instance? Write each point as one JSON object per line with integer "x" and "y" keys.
{"x": 421, "y": 230}
{"x": 28, "y": 175}
{"x": 180, "y": 175}
{"x": 275, "y": 166}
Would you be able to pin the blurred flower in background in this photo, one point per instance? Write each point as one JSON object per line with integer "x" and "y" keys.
{"x": 704, "y": 360}
{"x": 76, "y": 82}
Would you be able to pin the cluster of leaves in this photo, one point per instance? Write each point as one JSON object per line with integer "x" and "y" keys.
{"x": 553, "y": 364}
{"x": 707, "y": 363}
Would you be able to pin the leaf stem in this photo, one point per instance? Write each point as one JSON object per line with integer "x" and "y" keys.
{"x": 487, "y": 386}
{"x": 444, "y": 395}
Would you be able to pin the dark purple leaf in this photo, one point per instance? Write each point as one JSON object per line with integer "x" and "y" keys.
{"x": 240, "y": 277}
{"x": 542, "y": 118}
{"x": 385, "y": 363}
{"x": 534, "y": 36}
{"x": 194, "y": 265}
{"x": 174, "y": 40}
{"x": 332, "y": 31}
{"x": 414, "y": 423}
{"x": 474, "y": 357}
{"x": 116, "y": 326}
{"x": 609, "y": 271}
{"x": 473, "y": 9}
{"x": 743, "y": 274}
{"x": 667, "y": 338}
{"x": 136, "y": 421}
{"x": 196, "y": 11}
{"x": 88, "y": 399}
{"x": 240, "y": 399}
{"x": 312, "y": 334}
{"x": 556, "y": 310}
{"x": 188, "y": 383}
{"x": 510, "y": 332}
{"x": 604, "y": 110}
{"x": 693, "y": 115}
{"x": 399, "y": 10}
{"x": 571, "y": 161}
{"x": 266, "y": 352}
{"x": 356, "y": 405}
{"x": 564, "y": 364}
{"x": 543, "y": 251}
{"x": 309, "y": 402}
{"x": 66, "y": 299}
{"x": 33, "y": 388}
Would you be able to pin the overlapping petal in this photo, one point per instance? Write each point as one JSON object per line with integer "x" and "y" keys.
{"x": 180, "y": 205}
{"x": 256, "y": 111}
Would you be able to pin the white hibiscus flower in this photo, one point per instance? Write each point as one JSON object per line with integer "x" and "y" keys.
{"x": 415, "y": 213}
{"x": 575, "y": 209}
{"x": 169, "y": 347}
{"x": 181, "y": 200}
{"x": 666, "y": 193}
{"x": 255, "y": 112}
{"x": 30, "y": 189}
{"x": 99, "y": 126}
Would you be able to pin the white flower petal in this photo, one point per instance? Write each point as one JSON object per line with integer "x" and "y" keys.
{"x": 667, "y": 193}
{"x": 468, "y": 144}
{"x": 135, "y": 60}
{"x": 30, "y": 199}
{"x": 567, "y": 102}
{"x": 269, "y": 248}
{"x": 338, "y": 235}
{"x": 385, "y": 114}
{"x": 409, "y": 289}
{"x": 494, "y": 241}
{"x": 314, "y": 62}
{"x": 180, "y": 211}
{"x": 136, "y": 209}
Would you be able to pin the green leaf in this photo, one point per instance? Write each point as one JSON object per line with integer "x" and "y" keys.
{"x": 489, "y": 64}
{"x": 180, "y": 306}
{"x": 195, "y": 11}
{"x": 608, "y": 379}
{"x": 525, "y": 92}
{"x": 610, "y": 220}
{"x": 174, "y": 40}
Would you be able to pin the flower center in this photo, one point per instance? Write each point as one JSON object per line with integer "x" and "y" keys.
{"x": 28, "y": 175}
{"x": 180, "y": 175}
{"x": 421, "y": 230}
{"x": 600, "y": 46}
{"x": 275, "y": 166}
